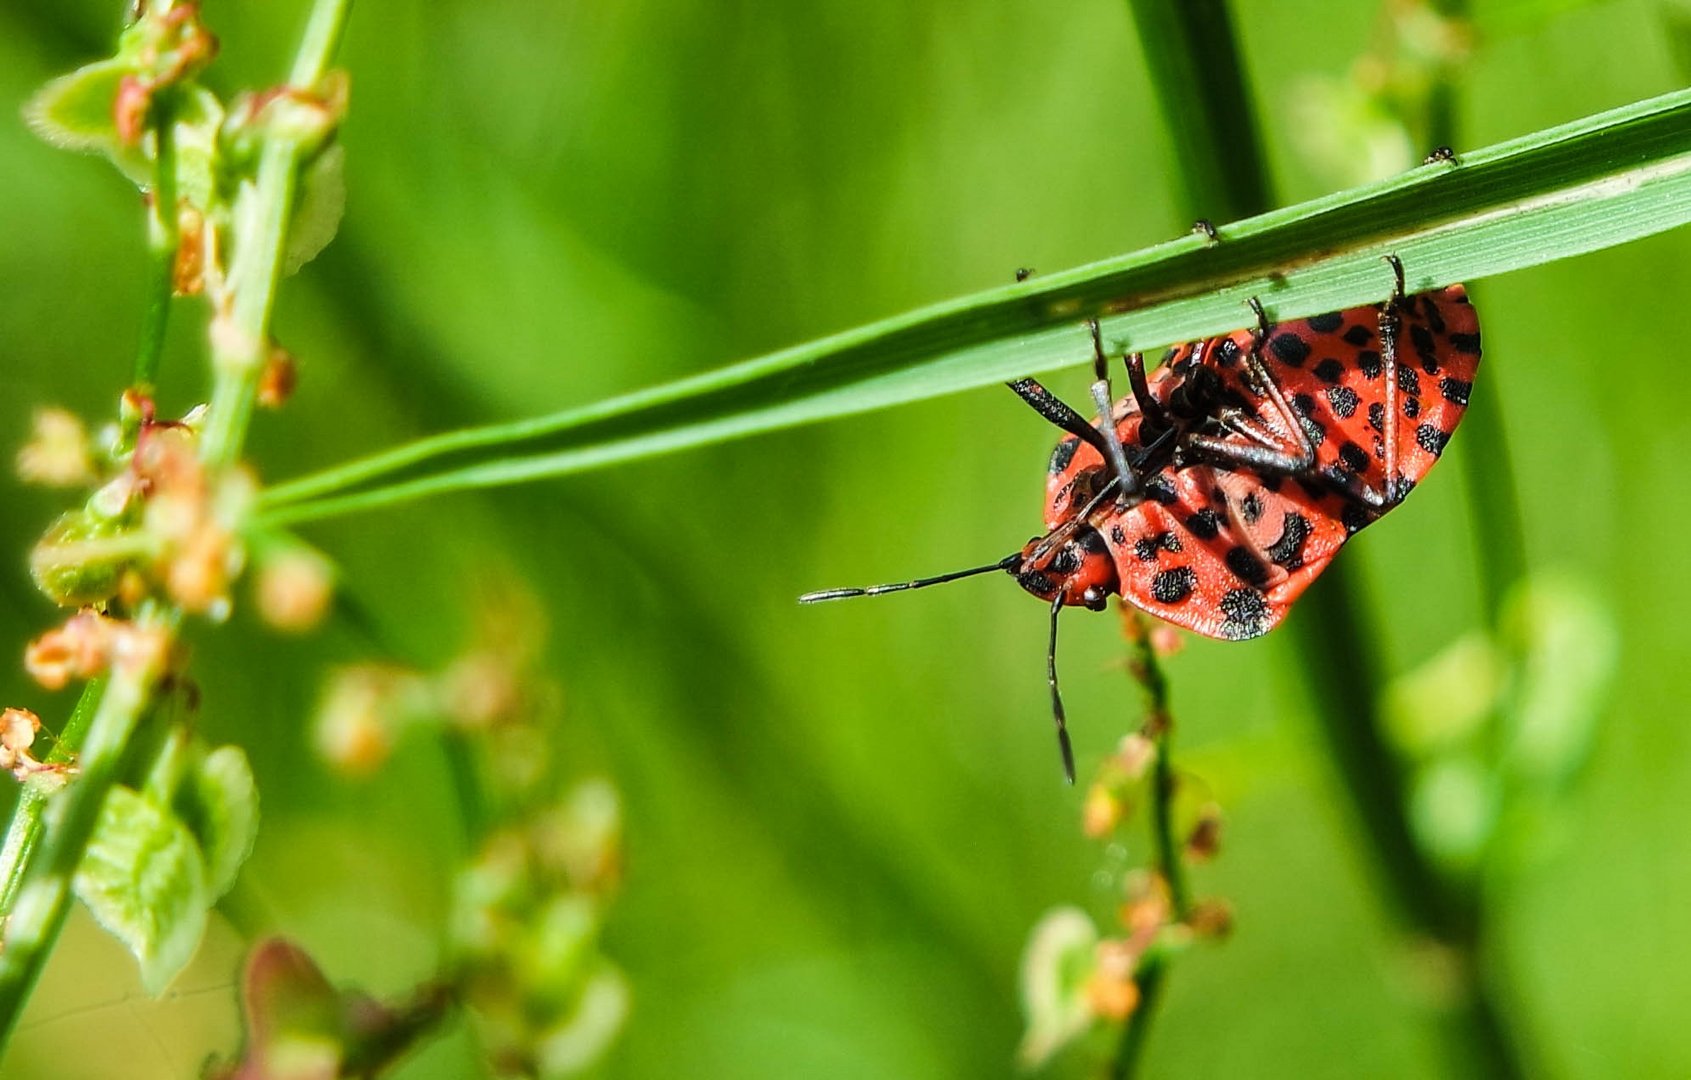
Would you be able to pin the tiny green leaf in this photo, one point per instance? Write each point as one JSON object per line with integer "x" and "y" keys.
{"x": 1443, "y": 705}
{"x": 143, "y": 879}
{"x": 1059, "y": 959}
{"x": 218, "y": 802}
{"x": 317, "y": 216}
{"x": 1570, "y": 647}
{"x": 1454, "y": 809}
{"x": 74, "y": 111}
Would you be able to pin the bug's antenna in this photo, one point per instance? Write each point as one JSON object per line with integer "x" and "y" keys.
{"x": 1008, "y": 562}
{"x": 1056, "y": 696}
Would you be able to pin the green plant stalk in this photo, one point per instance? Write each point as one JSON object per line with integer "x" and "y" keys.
{"x": 1150, "y": 977}
{"x": 25, "y": 827}
{"x": 1202, "y": 92}
{"x": 240, "y": 344}
{"x": 1163, "y": 780}
{"x": 1579, "y": 187}
{"x": 164, "y": 236}
{"x": 1153, "y": 969}
{"x": 46, "y": 863}
{"x": 1339, "y": 648}
{"x": 48, "y": 870}
{"x": 1488, "y": 467}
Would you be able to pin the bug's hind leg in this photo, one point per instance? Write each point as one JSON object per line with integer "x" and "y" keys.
{"x": 1105, "y": 399}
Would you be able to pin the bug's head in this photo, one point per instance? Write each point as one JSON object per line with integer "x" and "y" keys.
{"x": 1076, "y": 569}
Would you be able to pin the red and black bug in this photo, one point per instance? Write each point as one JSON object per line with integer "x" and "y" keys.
{"x": 1240, "y": 467}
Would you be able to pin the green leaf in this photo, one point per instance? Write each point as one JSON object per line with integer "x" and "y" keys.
{"x": 1570, "y": 648}
{"x": 1561, "y": 192}
{"x": 322, "y": 202}
{"x": 198, "y": 115}
{"x": 1060, "y": 957}
{"x": 1443, "y": 705}
{"x": 74, "y": 111}
{"x": 143, "y": 879}
{"x": 218, "y": 803}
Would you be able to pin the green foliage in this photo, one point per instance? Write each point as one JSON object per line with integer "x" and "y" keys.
{"x": 160, "y": 857}
{"x": 842, "y": 824}
{"x": 144, "y": 881}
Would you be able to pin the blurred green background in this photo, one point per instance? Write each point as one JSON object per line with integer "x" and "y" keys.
{"x": 842, "y": 822}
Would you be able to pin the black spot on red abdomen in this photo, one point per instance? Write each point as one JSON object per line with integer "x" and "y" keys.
{"x": 1174, "y": 585}
{"x": 1287, "y": 552}
{"x": 1244, "y": 564}
{"x": 1289, "y": 349}
{"x": 1245, "y": 614}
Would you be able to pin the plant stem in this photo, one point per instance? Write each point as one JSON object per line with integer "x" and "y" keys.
{"x": 48, "y": 867}
{"x": 164, "y": 236}
{"x": 25, "y": 827}
{"x": 1136, "y": 1032}
{"x": 43, "y": 850}
{"x": 1188, "y": 46}
{"x": 240, "y": 342}
{"x": 1487, "y": 464}
{"x": 1339, "y": 647}
{"x": 1159, "y": 725}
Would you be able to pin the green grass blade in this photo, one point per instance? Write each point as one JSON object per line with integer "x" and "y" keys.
{"x": 1564, "y": 191}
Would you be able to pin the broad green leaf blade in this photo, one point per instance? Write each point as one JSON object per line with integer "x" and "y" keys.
{"x": 143, "y": 879}
{"x": 1594, "y": 183}
{"x": 218, "y": 802}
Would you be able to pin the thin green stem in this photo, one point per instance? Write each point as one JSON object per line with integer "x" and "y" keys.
{"x": 1487, "y": 463}
{"x": 26, "y": 824}
{"x": 46, "y": 847}
{"x": 48, "y": 870}
{"x": 1201, "y": 88}
{"x": 320, "y": 42}
{"x": 1159, "y": 725}
{"x": 1339, "y": 647}
{"x": 1150, "y": 978}
{"x": 241, "y": 340}
{"x": 164, "y": 236}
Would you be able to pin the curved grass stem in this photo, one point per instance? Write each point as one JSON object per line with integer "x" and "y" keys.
{"x": 1550, "y": 195}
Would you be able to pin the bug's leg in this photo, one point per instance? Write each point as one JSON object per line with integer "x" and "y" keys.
{"x": 1149, "y": 407}
{"x": 1105, "y": 400}
{"x": 1048, "y": 405}
{"x": 1299, "y": 459}
{"x": 1295, "y": 453}
{"x": 1391, "y": 325}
